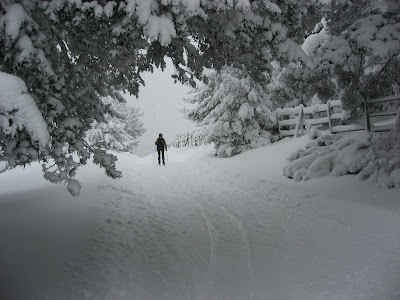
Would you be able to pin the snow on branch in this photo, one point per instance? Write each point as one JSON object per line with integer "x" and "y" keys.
{"x": 18, "y": 110}
{"x": 12, "y": 21}
{"x": 160, "y": 29}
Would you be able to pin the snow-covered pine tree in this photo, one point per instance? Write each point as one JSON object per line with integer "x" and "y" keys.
{"x": 299, "y": 83}
{"x": 120, "y": 130}
{"x": 63, "y": 56}
{"x": 363, "y": 55}
{"x": 234, "y": 110}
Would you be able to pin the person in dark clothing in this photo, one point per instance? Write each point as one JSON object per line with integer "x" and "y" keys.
{"x": 161, "y": 144}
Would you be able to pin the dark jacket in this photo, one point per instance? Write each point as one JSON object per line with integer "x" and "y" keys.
{"x": 160, "y": 142}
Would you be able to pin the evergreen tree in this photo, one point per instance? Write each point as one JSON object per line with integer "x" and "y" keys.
{"x": 120, "y": 130}
{"x": 354, "y": 56}
{"x": 234, "y": 110}
{"x": 363, "y": 55}
{"x": 299, "y": 83}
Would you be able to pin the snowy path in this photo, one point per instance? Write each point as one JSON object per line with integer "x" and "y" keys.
{"x": 201, "y": 229}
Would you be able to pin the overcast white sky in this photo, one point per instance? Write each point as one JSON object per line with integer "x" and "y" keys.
{"x": 160, "y": 101}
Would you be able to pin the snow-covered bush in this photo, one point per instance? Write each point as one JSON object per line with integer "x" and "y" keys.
{"x": 120, "y": 130}
{"x": 234, "y": 110}
{"x": 377, "y": 160}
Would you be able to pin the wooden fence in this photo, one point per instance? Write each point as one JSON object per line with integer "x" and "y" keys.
{"x": 301, "y": 116}
{"x": 376, "y": 126}
{"x": 293, "y": 121}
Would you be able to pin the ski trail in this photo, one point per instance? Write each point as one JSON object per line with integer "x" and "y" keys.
{"x": 212, "y": 232}
{"x": 212, "y": 266}
{"x": 246, "y": 243}
{"x": 244, "y": 237}
{"x": 153, "y": 205}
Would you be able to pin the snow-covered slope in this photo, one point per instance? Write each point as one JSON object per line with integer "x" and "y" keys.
{"x": 200, "y": 228}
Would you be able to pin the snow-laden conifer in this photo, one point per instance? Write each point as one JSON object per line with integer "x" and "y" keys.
{"x": 362, "y": 52}
{"x": 234, "y": 110}
{"x": 121, "y": 129}
{"x": 354, "y": 56}
{"x": 299, "y": 83}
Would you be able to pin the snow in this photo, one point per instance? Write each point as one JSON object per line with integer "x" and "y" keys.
{"x": 12, "y": 20}
{"x": 288, "y": 111}
{"x": 242, "y": 4}
{"x": 161, "y": 29}
{"x": 246, "y": 111}
{"x": 18, "y": 110}
{"x": 384, "y": 6}
{"x": 27, "y": 49}
{"x": 109, "y": 8}
{"x": 314, "y": 41}
{"x": 376, "y": 34}
{"x": 338, "y": 50}
{"x": 274, "y": 8}
{"x": 200, "y": 228}
{"x": 191, "y": 5}
{"x": 143, "y": 10}
{"x": 294, "y": 52}
{"x": 72, "y": 123}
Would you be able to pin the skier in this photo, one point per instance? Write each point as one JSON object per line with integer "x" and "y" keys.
{"x": 161, "y": 144}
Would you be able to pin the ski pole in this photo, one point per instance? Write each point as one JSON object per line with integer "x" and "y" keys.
{"x": 166, "y": 151}
{"x": 154, "y": 156}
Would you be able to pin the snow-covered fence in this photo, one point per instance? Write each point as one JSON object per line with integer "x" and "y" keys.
{"x": 292, "y": 121}
{"x": 371, "y": 113}
{"x": 186, "y": 139}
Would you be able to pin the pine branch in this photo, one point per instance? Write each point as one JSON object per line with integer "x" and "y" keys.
{"x": 386, "y": 64}
{"x": 42, "y": 20}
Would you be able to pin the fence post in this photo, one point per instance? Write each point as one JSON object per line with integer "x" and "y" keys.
{"x": 396, "y": 125}
{"x": 367, "y": 120}
{"x": 277, "y": 120}
{"x": 299, "y": 121}
{"x": 328, "y": 110}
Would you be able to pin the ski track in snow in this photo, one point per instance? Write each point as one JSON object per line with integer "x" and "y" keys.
{"x": 194, "y": 230}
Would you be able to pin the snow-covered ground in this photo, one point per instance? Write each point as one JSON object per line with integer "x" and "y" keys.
{"x": 200, "y": 228}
